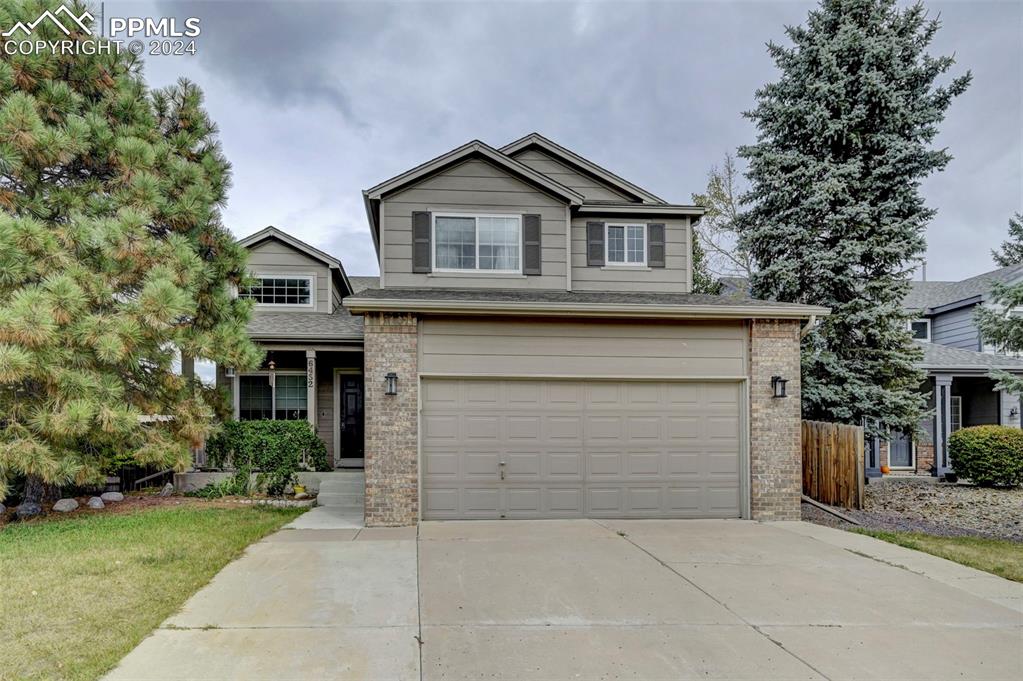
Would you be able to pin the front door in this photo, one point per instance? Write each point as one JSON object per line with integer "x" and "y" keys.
{"x": 350, "y": 427}
{"x": 900, "y": 450}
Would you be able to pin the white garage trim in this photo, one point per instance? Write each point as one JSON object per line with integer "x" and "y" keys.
{"x": 743, "y": 413}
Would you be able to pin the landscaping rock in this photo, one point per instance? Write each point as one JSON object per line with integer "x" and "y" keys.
{"x": 65, "y": 505}
{"x": 28, "y": 509}
{"x": 301, "y": 495}
{"x": 95, "y": 502}
{"x": 112, "y": 496}
{"x": 167, "y": 490}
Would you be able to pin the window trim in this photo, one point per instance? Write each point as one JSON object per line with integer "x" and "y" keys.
{"x": 909, "y": 327}
{"x": 475, "y": 270}
{"x": 308, "y": 276}
{"x": 626, "y": 264}
{"x": 237, "y": 385}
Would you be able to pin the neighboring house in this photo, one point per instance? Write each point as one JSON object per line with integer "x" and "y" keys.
{"x": 530, "y": 350}
{"x": 957, "y": 363}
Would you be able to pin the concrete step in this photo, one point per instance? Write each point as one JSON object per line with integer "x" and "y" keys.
{"x": 340, "y": 500}
{"x": 342, "y": 486}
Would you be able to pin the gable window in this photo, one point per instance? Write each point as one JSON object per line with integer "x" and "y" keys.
{"x": 626, "y": 244}
{"x": 286, "y": 400}
{"x": 921, "y": 330}
{"x": 477, "y": 242}
{"x": 280, "y": 290}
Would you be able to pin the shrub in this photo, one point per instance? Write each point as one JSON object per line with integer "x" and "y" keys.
{"x": 988, "y": 455}
{"x": 275, "y": 448}
{"x": 236, "y": 485}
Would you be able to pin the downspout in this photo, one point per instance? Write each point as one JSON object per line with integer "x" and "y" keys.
{"x": 805, "y": 331}
{"x": 568, "y": 247}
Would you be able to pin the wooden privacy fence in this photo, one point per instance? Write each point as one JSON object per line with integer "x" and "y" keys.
{"x": 833, "y": 463}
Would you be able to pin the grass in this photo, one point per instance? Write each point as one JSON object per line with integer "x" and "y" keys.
{"x": 76, "y": 595}
{"x": 998, "y": 556}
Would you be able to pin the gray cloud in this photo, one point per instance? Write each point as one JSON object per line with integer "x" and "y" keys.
{"x": 318, "y": 100}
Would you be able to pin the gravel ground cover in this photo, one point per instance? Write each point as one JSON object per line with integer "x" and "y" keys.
{"x": 942, "y": 509}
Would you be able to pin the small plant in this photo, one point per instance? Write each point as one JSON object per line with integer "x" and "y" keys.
{"x": 235, "y": 486}
{"x": 988, "y": 455}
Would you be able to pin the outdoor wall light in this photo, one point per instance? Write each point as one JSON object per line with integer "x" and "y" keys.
{"x": 392, "y": 384}
{"x": 778, "y": 386}
{"x": 273, "y": 374}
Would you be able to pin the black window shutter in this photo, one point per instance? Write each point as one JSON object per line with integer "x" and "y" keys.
{"x": 594, "y": 244}
{"x": 421, "y": 242}
{"x": 655, "y": 245}
{"x": 531, "y": 244}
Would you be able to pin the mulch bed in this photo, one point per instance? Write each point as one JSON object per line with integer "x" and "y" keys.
{"x": 942, "y": 509}
{"x": 132, "y": 503}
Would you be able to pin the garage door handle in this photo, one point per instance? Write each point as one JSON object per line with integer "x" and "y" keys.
{"x": 501, "y": 468}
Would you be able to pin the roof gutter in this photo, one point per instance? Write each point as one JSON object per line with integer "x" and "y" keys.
{"x": 640, "y": 209}
{"x": 546, "y": 309}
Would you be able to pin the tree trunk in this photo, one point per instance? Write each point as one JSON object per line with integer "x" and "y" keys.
{"x": 31, "y": 500}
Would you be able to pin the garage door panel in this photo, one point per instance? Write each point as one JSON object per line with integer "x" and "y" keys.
{"x": 579, "y": 448}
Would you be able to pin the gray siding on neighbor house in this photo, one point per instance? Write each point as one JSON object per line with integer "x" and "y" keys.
{"x": 672, "y": 278}
{"x": 591, "y": 188}
{"x": 474, "y": 186}
{"x": 588, "y": 349}
{"x": 956, "y": 329}
{"x": 274, "y": 257}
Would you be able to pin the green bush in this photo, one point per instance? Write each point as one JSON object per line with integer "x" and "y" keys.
{"x": 274, "y": 448}
{"x": 236, "y": 485}
{"x": 988, "y": 455}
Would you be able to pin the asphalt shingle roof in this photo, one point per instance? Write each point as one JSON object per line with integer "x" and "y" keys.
{"x": 946, "y": 357}
{"x": 305, "y": 325}
{"x": 363, "y": 283}
{"x": 927, "y": 294}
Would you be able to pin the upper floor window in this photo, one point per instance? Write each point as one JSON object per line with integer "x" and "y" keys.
{"x": 280, "y": 290}
{"x": 626, "y": 244}
{"x": 477, "y": 242}
{"x": 921, "y": 330}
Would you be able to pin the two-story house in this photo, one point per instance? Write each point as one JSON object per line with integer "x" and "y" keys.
{"x": 531, "y": 349}
{"x": 958, "y": 363}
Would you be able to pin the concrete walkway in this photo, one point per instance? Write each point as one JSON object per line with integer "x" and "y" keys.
{"x": 585, "y": 600}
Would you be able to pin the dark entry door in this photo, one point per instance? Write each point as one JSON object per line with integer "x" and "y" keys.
{"x": 351, "y": 441}
{"x": 900, "y": 450}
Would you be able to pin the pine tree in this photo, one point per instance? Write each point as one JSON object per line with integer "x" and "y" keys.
{"x": 112, "y": 258}
{"x": 703, "y": 281}
{"x": 1011, "y": 252}
{"x": 836, "y": 218}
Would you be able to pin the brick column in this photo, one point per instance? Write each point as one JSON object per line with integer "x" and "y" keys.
{"x": 775, "y": 456}
{"x": 391, "y": 421}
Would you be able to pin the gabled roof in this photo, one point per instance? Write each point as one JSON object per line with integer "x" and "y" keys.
{"x": 927, "y": 295}
{"x": 944, "y": 358}
{"x": 271, "y": 232}
{"x": 475, "y": 148}
{"x": 568, "y": 156}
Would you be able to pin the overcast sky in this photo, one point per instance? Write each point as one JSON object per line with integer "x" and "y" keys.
{"x": 317, "y": 101}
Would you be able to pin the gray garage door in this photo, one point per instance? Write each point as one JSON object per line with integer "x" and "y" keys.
{"x": 570, "y": 449}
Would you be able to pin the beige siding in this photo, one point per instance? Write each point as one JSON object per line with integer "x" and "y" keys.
{"x": 274, "y": 257}
{"x": 593, "y": 349}
{"x": 591, "y": 188}
{"x": 325, "y": 408}
{"x": 672, "y": 278}
{"x": 473, "y": 186}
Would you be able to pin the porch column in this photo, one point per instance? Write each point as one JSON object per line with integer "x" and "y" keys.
{"x": 310, "y": 386}
{"x": 942, "y": 422}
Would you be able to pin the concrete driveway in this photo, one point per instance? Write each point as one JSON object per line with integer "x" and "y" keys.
{"x": 589, "y": 600}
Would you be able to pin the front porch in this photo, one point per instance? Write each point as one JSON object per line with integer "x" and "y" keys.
{"x": 960, "y": 394}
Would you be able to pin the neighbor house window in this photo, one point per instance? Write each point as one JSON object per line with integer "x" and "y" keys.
{"x": 477, "y": 242}
{"x": 626, "y": 244}
{"x": 280, "y": 290}
{"x": 921, "y": 330}
{"x": 956, "y": 422}
{"x": 286, "y": 400}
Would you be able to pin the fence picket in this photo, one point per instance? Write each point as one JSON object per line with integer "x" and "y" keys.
{"x": 832, "y": 456}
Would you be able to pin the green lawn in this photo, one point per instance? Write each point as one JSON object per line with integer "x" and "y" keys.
{"x": 76, "y": 595}
{"x": 997, "y": 556}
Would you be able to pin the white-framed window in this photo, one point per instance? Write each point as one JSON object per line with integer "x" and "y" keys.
{"x": 472, "y": 242}
{"x": 921, "y": 330}
{"x": 281, "y": 289}
{"x": 625, "y": 245}
{"x": 956, "y": 417}
{"x": 285, "y": 400}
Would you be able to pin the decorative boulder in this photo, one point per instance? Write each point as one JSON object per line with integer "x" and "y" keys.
{"x": 167, "y": 490}
{"x": 112, "y": 496}
{"x": 65, "y": 505}
{"x": 94, "y": 502}
{"x": 28, "y": 509}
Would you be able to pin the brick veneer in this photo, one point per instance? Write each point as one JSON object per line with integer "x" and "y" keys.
{"x": 775, "y": 457}
{"x": 391, "y": 421}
